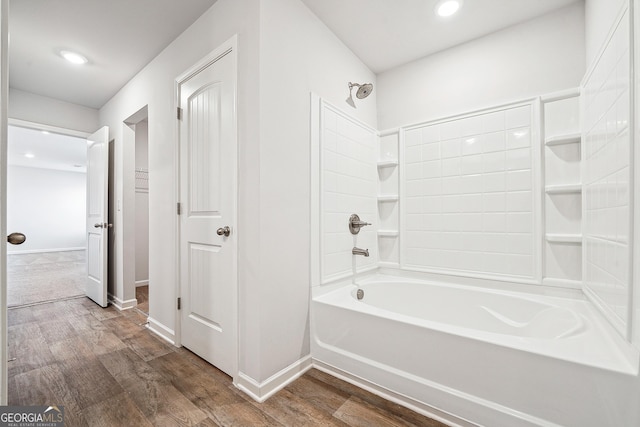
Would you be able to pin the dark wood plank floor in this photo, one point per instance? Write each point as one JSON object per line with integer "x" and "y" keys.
{"x": 107, "y": 369}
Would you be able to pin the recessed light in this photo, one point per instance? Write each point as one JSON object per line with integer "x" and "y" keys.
{"x": 29, "y": 155}
{"x": 44, "y": 132}
{"x": 73, "y": 57}
{"x": 446, "y": 8}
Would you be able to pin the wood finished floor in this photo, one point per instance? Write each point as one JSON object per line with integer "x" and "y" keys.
{"x": 142, "y": 296}
{"x": 107, "y": 369}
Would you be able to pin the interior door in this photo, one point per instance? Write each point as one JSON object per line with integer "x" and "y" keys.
{"x": 208, "y": 162}
{"x": 97, "y": 215}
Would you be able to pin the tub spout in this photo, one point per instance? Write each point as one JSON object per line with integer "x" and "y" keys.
{"x": 358, "y": 251}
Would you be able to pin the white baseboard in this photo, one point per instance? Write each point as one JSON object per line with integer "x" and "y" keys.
{"x": 162, "y": 331}
{"x": 42, "y": 251}
{"x": 262, "y": 391}
{"x": 142, "y": 283}
{"x": 122, "y": 305}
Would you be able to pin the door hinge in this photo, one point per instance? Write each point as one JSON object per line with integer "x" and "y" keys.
{"x": 179, "y": 113}
{"x": 178, "y": 208}
{"x": 179, "y": 303}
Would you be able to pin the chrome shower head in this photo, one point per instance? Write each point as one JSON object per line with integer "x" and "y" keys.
{"x": 364, "y": 90}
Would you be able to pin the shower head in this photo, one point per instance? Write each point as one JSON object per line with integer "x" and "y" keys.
{"x": 363, "y": 91}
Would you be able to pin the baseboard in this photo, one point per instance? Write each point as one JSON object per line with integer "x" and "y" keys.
{"x": 142, "y": 283}
{"x": 122, "y": 305}
{"x": 162, "y": 331}
{"x": 262, "y": 391}
{"x": 42, "y": 251}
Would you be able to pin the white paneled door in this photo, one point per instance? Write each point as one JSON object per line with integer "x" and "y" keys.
{"x": 208, "y": 168}
{"x": 97, "y": 215}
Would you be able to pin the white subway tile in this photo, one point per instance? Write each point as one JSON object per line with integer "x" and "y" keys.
{"x": 451, "y": 148}
{"x": 518, "y": 117}
{"x": 519, "y": 180}
{"x": 493, "y": 122}
{"x": 471, "y": 165}
{"x": 451, "y": 167}
{"x": 450, "y": 130}
{"x": 493, "y": 162}
{"x": 493, "y": 182}
{"x": 494, "y": 222}
{"x": 472, "y": 144}
{"x": 494, "y": 141}
{"x": 519, "y": 159}
{"x": 518, "y": 138}
{"x": 431, "y": 169}
{"x": 471, "y": 126}
{"x": 430, "y": 134}
{"x": 413, "y": 137}
{"x": 519, "y": 201}
{"x": 413, "y": 171}
{"x": 494, "y": 202}
{"x": 431, "y": 151}
{"x": 520, "y": 222}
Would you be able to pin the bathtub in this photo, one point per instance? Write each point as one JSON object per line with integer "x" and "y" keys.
{"x": 469, "y": 356}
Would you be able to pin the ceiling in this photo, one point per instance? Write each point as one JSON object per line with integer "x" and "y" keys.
{"x": 388, "y": 33}
{"x": 49, "y": 150}
{"x": 118, "y": 37}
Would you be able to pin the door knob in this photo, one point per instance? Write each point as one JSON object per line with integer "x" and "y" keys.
{"x": 224, "y": 231}
{"x": 16, "y": 238}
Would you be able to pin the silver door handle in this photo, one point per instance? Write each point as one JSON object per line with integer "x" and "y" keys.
{"x": 224, "y": 231}
{"x": 102, "y": 225}
{"x": 16, "y": 238}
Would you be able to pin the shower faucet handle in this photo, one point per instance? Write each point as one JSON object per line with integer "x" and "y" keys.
{"x": 355, "y": 224}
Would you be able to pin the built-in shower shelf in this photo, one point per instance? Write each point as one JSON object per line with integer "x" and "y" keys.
{"x": 563, "y": 238}
{"x": 388, "y": 233}
{"x": 563, "y": 189}
{"x": 388, "y": 198}
{"x": 562, "y": 283}
{"x": 563, "y": 139}
{"x": 387, "y": 163}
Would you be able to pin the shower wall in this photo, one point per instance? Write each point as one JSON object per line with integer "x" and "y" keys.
{"x": 348, "y": 181}
{"x": 469, "y": 195}
{"x": 607, "y": 171}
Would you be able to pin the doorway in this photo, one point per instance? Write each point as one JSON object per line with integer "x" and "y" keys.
{"x": 46, "y": 200}
{"x": 136, "y": 263}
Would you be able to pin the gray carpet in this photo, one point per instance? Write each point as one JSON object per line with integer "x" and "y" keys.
{"x": 34, "y": 278}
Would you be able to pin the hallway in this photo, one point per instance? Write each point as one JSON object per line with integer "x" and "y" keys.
{"x": 106, "y": 369}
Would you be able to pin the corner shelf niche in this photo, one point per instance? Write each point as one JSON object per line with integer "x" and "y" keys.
{"x": 570, "y": 138}
{"x": 388, "y": 198}
{"x": 562, "y": 208}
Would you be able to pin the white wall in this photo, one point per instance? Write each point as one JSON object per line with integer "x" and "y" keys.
{"x": 298, "y": 55}
{"x": 53, "y": 112}
{"x": 539, "y": 56}
{"x": 599, "y": 18}
{"x": 48, "y": 206}
{"x": 154, "y": 87}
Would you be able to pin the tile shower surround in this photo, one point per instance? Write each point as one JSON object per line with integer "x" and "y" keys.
{"x": 468, "y": 195}
{"x": 606, "y": 154}
{"x": 348, "y": 185}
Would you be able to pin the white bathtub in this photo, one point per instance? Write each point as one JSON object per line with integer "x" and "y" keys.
{"x": 478, "y": 357}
